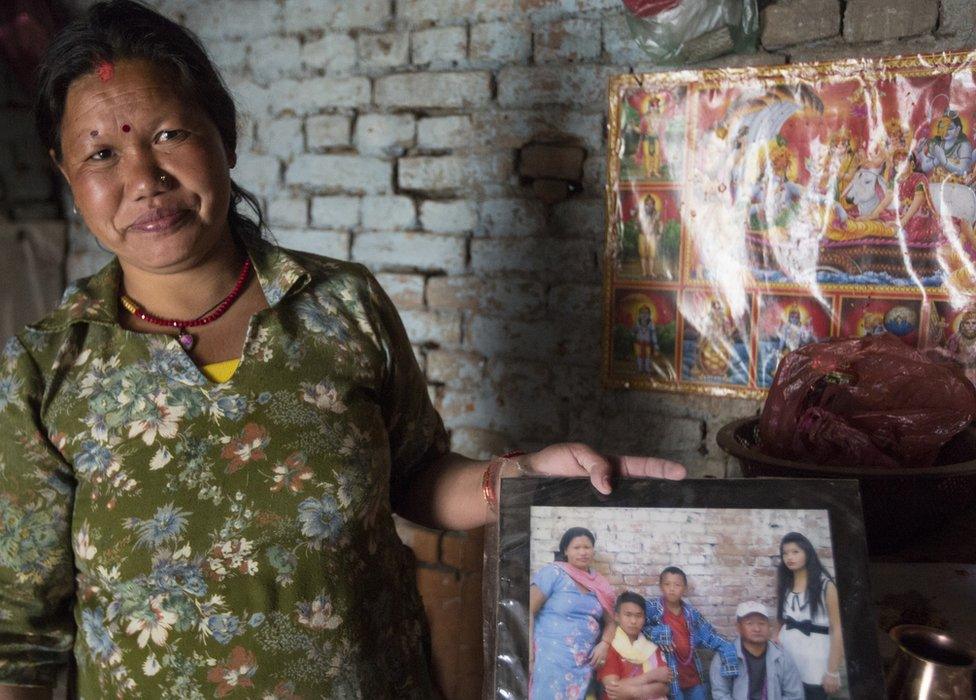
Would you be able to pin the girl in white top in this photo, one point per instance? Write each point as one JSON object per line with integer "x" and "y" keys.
{"x": 808, "y": 614}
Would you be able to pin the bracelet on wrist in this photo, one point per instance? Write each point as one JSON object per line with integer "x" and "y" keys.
{"x": 492, "y": 475}
{"x": 832, "y": 674}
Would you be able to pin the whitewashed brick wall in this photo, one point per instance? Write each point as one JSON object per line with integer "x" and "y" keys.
{"x": 727, "y": 554}
{"x": 387, "y": 131}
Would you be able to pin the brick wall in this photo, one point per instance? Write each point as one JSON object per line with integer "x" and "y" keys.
{"x": 728, "y": 554}
{"x": 390, "y": 132}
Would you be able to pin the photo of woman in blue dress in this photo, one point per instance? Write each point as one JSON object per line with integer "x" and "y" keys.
{"x": 571, "y": 613}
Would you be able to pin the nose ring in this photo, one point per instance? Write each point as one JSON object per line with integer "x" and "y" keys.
{"x": 163, "y": 178}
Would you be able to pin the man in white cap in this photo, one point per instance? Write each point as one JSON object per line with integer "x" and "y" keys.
{"x": 770, "y": 673}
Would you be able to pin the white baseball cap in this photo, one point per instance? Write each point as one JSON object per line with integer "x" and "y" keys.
{"x": 751, "y": 607}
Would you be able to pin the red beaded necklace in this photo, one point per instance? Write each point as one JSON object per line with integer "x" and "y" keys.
{"x": 187, "y": 340}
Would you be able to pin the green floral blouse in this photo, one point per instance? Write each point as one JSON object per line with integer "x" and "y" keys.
{"x": 187, "y": 539}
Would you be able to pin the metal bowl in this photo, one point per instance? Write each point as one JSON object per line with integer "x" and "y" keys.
{"x": 898, "y": 503}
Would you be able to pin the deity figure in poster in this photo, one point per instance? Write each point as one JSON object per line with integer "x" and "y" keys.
{"x": 645, "y": 340}
{"x": 917, "y": 217}
{"x": 794, "y": 333}
{"x": 872, "y": 323}
{"x": 787, "y": 217}
{"x": 650, "y": 155}
{"x": 652, "y": 133}
{"x": 948, "y": 155}
{"x": 716, "y": 339}
{"x": 787, "y": 324}
{"x": 904, "y": 192}
{"x": 837, "y": 167}
{"x": 947, "y": 158}
{"x": 644, "y": 333}
{"x": 900, "y": 317}
{"x": 649, "y": 235}
{"x": 961, "y": 345}
{"x": 776, "y": 195}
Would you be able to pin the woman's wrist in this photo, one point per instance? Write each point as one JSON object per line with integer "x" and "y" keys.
{"x": 499, "y": 467}
{"x": 833, "y": 674}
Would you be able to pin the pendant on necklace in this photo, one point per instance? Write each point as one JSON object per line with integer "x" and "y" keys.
{"x": 186, "y": 340}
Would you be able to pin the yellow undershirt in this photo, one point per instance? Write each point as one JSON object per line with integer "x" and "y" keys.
{"x": 220, "y": 372}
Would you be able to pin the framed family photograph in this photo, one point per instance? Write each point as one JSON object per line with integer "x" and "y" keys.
{"x": 690, "y": 589}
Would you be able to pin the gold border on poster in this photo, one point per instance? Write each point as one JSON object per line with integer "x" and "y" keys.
{"x": 870, "y": 70}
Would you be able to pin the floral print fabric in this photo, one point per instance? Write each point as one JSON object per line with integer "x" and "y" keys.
{"x": 187, "y": 539}
{"x": 565, "y": 632}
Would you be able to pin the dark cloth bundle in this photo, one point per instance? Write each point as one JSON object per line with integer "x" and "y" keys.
{"x": 870, "y": 401}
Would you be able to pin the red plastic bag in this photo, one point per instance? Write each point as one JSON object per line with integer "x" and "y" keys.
{"x": 870, "y": 401}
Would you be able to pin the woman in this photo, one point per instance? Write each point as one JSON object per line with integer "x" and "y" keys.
{"x": 204, "y": 444}
{"x": 571, "y": 609}
{"x": 808, "y": 614}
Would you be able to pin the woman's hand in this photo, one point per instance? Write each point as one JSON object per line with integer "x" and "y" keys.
{"x": 449, "y": 493}
{"x": 831, "y": 682}
{"x": 576, "y": 459}
{"x": 599, "y": 654}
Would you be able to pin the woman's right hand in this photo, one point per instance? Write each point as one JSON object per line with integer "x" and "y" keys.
{"x": 599, "y": 654}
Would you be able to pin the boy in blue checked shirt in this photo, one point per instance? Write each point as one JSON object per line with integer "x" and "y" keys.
{"x": 680, "y": 630}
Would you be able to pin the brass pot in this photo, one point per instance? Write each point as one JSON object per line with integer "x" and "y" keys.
{"x": 929, "y": 665}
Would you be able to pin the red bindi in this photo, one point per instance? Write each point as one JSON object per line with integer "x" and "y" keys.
{"x": 105, "y": 70}
{"x": 126, "y": 128}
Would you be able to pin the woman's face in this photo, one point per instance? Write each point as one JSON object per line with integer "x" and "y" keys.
{"x": 147, "y": 168}
{"x": 794, "y": 558}
{"x": 579, "y": 552}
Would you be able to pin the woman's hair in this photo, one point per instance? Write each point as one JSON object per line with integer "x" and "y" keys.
{"x": 570, "y": 535}
{"x": 630, "y": 597}
{"x": 816, "y": 574}
{"x": 124, "y": 29}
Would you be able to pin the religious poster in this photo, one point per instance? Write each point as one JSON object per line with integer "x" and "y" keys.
{"x": 752, "y": 211}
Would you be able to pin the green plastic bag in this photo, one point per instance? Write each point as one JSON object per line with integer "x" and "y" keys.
{"x": 677, "y": 32}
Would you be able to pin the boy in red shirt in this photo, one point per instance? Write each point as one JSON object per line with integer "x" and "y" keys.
{"x": 634, "y": 669}
{"x": 680, "y": 630}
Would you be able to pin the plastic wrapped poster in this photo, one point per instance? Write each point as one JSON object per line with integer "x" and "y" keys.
{"x": 567, "y": 568}
{"x": 751, "y": 211}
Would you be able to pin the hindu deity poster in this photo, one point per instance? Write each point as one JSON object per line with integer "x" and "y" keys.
{"x": 752, "y": 211}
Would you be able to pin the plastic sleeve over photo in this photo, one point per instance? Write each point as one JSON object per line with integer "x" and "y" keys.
{"x": 681, "y": 560}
